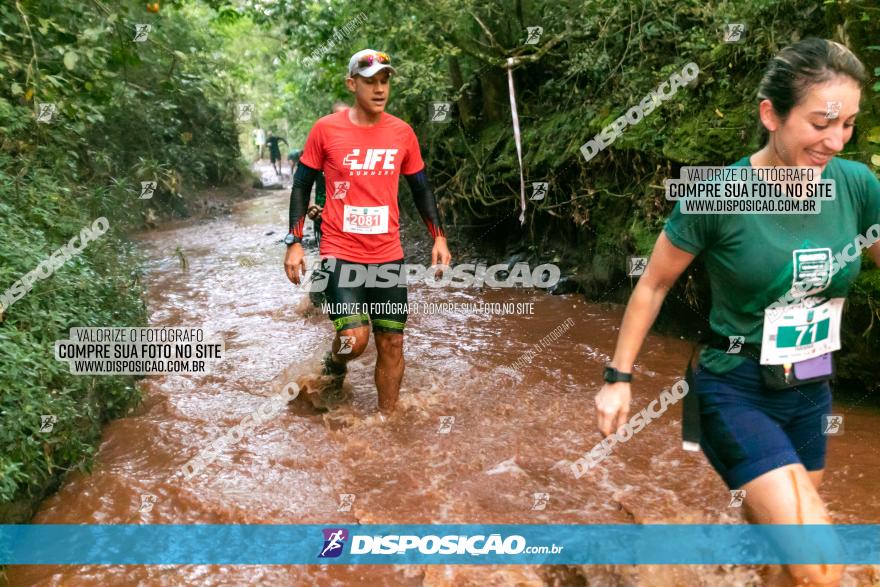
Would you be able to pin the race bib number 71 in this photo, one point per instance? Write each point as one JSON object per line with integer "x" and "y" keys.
{"x": 365, "y": 220}
{"x": 802, "y": 333}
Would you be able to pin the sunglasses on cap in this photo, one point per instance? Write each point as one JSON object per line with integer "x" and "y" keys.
{"x": 378, "y": 57}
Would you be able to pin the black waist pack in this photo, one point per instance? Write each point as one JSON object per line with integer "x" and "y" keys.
{"x": 816, "y": 370}
{"x": 779, "y": 377}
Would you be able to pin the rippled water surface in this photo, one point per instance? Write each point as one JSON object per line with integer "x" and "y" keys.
{"x": 508, "y": 441}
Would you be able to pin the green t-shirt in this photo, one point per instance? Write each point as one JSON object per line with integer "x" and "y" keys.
{"x": 749, "y": 257}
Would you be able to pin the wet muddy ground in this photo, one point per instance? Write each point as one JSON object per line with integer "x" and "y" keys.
{"x": 467, "y": 444}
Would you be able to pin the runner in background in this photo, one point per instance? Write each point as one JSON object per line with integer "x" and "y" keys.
{"x": 363, "y": 151}
{"x": 761, "y": 429}
{"x": 259, "y": 142}
{"x": 275, "y": 151}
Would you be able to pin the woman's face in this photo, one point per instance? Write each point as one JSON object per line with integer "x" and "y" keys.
{"x": 819, "y": 126}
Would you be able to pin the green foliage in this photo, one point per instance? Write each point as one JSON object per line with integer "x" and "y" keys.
{"x": 126, "y": 112}
{"x": 166, "y": 109}
{"x": 100, "y": 287}
{"x": 595, "y": 59}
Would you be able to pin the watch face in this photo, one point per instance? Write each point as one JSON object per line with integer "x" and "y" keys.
{"x": 288, "y": 239}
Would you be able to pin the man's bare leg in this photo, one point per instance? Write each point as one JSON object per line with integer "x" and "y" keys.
{"x": 355, "y": 344}
{"x": 389, "y": 368}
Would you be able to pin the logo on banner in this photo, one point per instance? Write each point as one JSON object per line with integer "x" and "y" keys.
{"x": 334, "y": 541}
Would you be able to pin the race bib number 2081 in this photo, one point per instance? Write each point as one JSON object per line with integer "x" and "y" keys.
{"x": 365, "y": 219}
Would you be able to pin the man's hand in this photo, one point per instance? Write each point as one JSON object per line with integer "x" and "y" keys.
{"x": 612, "y": 406}
{"x": 440, "y": 254}
{"x": 295, "y": 263}
{"x": 314, "y": 212}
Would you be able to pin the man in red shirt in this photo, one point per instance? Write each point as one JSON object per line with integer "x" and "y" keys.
{"x": 363, "y": 151}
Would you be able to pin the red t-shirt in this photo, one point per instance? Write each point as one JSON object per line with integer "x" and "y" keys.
{"x": 362, "y": 166}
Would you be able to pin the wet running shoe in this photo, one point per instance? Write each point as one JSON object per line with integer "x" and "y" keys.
{"x": 330, "y": 391}
{"x": 331, "y": 368}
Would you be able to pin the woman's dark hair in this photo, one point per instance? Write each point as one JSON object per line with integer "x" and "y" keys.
{"x": 797, "y": 67}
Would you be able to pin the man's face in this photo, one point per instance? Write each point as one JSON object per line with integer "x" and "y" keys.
{"x": 821, "y": 123}
{"x": 371, "y": 93}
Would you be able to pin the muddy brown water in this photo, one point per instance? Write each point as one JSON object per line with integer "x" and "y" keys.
{"x": 508, "y": 441}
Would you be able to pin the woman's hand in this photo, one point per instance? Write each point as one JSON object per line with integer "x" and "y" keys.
{"x": 612, "y": 406}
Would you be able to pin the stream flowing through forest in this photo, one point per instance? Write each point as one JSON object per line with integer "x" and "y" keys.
{"x": 467, "y": 444}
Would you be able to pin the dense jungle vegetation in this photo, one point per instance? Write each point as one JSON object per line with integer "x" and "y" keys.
{"x": 166, "y": 109}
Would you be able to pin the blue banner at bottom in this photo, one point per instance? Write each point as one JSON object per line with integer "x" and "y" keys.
{"x": 438, "y": 544}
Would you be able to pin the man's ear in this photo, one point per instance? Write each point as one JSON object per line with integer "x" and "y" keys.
{"x": 350, "y": 84}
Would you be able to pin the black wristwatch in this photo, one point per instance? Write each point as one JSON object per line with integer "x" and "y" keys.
{"x": 612, "y": 375}
{"x": 292, "y": 239}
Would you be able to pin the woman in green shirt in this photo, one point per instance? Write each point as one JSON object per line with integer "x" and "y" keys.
{"x": 762, "y": 429}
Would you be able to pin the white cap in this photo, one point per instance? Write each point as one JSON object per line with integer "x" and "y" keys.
{"x": 370, "y": 70}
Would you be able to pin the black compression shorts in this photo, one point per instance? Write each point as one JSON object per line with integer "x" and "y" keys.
{"x": 381, "y": 302}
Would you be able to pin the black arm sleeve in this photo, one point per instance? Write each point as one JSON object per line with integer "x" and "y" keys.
{"x": 303, "y": 180}
{"x": 425, "y": 202}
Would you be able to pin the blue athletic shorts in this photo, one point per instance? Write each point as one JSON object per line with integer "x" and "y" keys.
{"x": 747, "y": 430}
